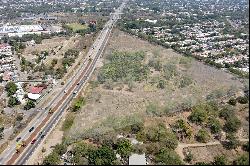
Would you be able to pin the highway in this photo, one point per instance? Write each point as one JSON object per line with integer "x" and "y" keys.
{"x": 44, "y": 121}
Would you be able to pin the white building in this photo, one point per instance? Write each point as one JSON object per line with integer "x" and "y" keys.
{"x": 21, "y": 30}
{"x": 137, "y": 159}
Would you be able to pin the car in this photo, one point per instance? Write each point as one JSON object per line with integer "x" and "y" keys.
{"x": 18, "y": 139}
{"x": 33, "y": 141}
{"x": 31, "y": 129}
{"x": 40, "y": 133}
{"x": 42, "y": 136}
{"x": 65, "y": 91}
{"x": 75, "y": 92}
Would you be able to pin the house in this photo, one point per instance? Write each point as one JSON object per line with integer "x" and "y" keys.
{"x": 137, "y": 159}
{"x": 36, "y": 90}
{"x": 7, "y": 76}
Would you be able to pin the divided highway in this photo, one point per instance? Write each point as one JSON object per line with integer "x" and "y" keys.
{"x": 44, "y": 122}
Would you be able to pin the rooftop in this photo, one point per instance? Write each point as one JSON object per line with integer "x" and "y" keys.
{"x": 137, "y": 159}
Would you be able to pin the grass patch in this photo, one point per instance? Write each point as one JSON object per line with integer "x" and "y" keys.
{"x": 124, "y": 66}
{"x": 79, "y": 102}
{"x": 76, "y": 27}
{"x": 68, "y": 122}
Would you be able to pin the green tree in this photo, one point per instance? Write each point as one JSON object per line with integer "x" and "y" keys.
{"x": 168, "y": 157}
{"x": 13, "y": 101}
{"x": 80, "y": 152}
{"x": 102, "y": 156}
{"x": 198, "y": 115}
{"x": 183, "y": 128}
{"x": 124, "y": 147}
{"x": 220, "y": 160}
{"x": 202, "y": 136}
{"x": 52, "y": 159}
{"x": 30, "y": 104}
{"x": 60, "y": 149}
{"x": 11, "y": 88}
{"x": 159, "y": 134}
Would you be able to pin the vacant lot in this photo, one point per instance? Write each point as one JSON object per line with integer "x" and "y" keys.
{"x": 107, "y": 107}
{"x": 46, "y": 45}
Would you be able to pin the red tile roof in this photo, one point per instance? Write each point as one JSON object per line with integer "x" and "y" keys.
{"x": 36, "y": 90}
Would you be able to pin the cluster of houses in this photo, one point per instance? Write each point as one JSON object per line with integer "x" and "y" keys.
{"x": 8, "y": 69}
{"x": 204, "y": 39}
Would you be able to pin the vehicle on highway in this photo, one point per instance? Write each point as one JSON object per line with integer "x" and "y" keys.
{"x": 18, "y": 139}
{"x": 31, "y": 129}
{"x": 33, "y": 141}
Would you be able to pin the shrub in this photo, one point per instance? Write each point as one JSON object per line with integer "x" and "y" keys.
{"x": 232, "y": 143}
{"x": 102, "y": 156}
{"x": 220, "y": 160}
{"x": 198, "y": 115}
{"x": 124, "y": 148}
{"x": 232, "y": 124}
{"x": 232, "y": 101}
{"x": 202, "y": 136}
{"x": 227, "y": 112}
{"x": 185, "y": 81}
{"x": 168, "y": 157}
{"x": 52, "y": 159}
{"x": 214, "y": 125}
{"x": 161, "y": 84}
{"x": 242, "y": 100}
{"x": 242, "y": 160}
{"x": 189, "y": 157}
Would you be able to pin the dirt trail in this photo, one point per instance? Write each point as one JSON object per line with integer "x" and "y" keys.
{"x": 181, "y": 146}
